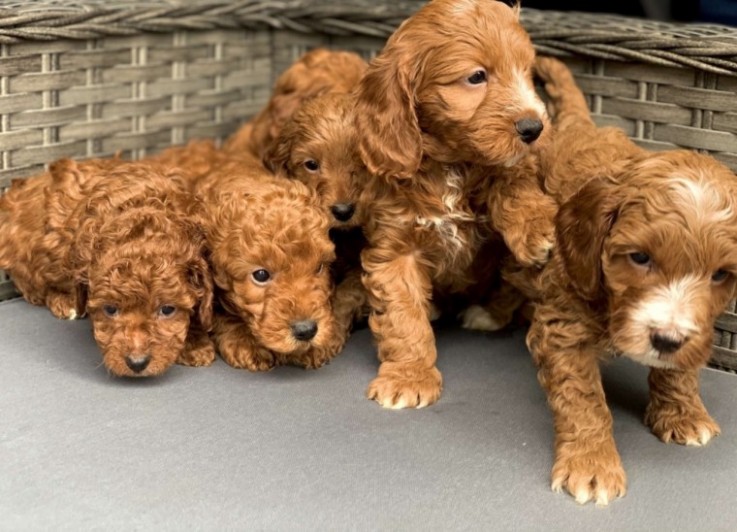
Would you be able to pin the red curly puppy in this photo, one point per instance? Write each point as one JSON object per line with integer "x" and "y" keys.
{"x": 117, "y": 241}
{"x": 448, "y": 118}
{"x": 646, "y": 259}
{"x": 271, "y": 256}
{"x": 317, "y": 72}
{"x": 318, "y": 147}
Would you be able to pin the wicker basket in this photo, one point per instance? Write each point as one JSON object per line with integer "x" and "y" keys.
{"x": 92, "y": 78}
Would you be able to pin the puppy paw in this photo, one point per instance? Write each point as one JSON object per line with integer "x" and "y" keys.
{"x": 253, "y": 360}
{"x": 693, "y": 427}
{"x": 198, "y": 356}
{"x": 406, "y": 389}
{"x": 63, "y": 305}
{"x": 316, "y": 358}
{"x": 478, "y": 318}
{"x": 594, "y": 475}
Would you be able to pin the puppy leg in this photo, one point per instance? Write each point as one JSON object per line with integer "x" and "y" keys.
{"x": 675, "y": 412}
{"x": 199, "y": 349}
{"x": 62, "y": 304}
{"x": 399, "y": 292}
{"x": 237, "y": 346}
{"x": 587, "y": 463}
{"x": 350, "y": 301}
{"x": 524, "y": 216}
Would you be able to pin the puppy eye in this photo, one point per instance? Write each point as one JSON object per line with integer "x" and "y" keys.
{"x": 640, "y": 258}
{"x": 477, "y": 77}
{"x": 719, "y": 276}
{"x": 167, "y": 311}
{"x": 260, "y": 276}
{"x": 110, "y": 310}
{"x": 312, "y": 165}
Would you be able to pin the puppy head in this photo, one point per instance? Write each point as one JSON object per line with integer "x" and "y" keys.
{"x": 317, "y": 72}
{"x": 659, "y": 246}
{"x": 317, "y": 147}
{"x": 454, "y": 83}
{"x": 271, "y": 258}
{"x": 141, "y": 269}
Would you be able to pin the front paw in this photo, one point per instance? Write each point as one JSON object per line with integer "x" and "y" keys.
{"x": 244, "y": 358}
{"x": 535, "y": 247}
{"x": 670, "y": 423}
{"x": 63, "y": 305}
{"x": 200, "y": 355}
{"x": 477, "y": 318}
{"x": 590, "y": 474}
{"x": 406, "y": 388}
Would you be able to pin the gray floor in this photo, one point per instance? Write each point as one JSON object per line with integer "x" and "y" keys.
{"x": 218, "y": 448}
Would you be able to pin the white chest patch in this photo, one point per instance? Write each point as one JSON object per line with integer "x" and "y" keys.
{"x": 446, "y": 223}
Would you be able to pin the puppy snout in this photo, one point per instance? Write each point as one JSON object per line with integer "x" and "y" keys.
{"x": 137, "y": 363}
{"x": 304, "y": 330}
{"x": 529, "y": 129}
{"x": 343, "y": 211}
{"x": 666, "y": 342}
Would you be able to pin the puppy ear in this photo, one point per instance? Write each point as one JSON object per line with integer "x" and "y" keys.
{"x": 276, "y": 154}
{"x": 390, "y": 141}
{"x": 201, "y": 279}
{"x": 582, "y": 224}
{"x": 514, "y": 4}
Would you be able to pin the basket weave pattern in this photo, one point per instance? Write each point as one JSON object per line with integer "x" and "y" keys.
{"x": 92, "y": 78}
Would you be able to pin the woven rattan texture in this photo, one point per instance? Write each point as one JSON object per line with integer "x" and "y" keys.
{"x": 710, "y": 48}
{"x": 141, "y": 76}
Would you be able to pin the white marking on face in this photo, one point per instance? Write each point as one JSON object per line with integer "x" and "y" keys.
{"x": 701, "y": 197}
{"x": 669, "y": 308}
{"x": 528, "y": 97}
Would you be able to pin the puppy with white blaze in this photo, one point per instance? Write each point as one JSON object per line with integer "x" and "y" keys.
{"x": 646, "y": 260}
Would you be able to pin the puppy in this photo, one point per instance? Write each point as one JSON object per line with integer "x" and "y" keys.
{"x": 118, "y": 242}
{"x": 317, "y": 146}
{"x": 271, "y": 256}
{"x": 317, "y": 72}
{"x": 645, "y": 262}
{"x": 449, "y": 122}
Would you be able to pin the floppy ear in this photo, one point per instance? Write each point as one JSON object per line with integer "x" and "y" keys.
{"x": 276, "y": 154}
{"x": 390, "y": 141}
{"x": 514, "y": 4}
{"x": 79, "y": 260}
{"x": 201, "y": 279}
{"x": 582, "y": 224}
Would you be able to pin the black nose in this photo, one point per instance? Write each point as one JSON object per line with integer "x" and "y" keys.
{"x": 137, "y": 363}
{"x": 664, "y": 343}
{"x": 343, "y": 211}
{"x": 304, "y": 329}
{"x": 529, "y": 129}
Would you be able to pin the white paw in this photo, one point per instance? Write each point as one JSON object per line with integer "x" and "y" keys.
{"x": 477, "y": 318}
{"x": 705, "y": 435}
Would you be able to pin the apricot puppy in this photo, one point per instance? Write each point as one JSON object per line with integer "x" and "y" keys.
{"x": 645, "y": 262}
{"x": 271, "y": 256}
{"x": 448, "y": 124}
{"x": 118, "y": 242}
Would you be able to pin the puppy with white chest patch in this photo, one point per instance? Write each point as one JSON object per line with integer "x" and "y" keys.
{"x": 448, "y": 126}
{"x": 646, "y": 260}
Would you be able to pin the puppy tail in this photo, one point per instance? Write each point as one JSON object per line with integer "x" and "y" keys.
{"x": 567, "y": 102}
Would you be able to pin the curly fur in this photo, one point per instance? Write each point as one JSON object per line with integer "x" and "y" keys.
{"x": 317, "y": 72}
{"x": 447, "y": 166}
{"x": 597, "y": 299}
{"x": 260, "y": 222}
{"x": 117, "y": 236}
